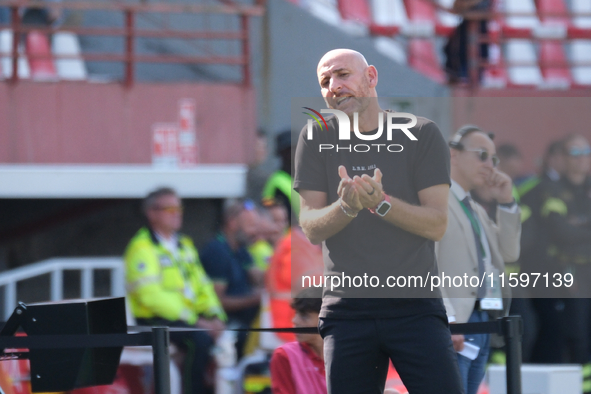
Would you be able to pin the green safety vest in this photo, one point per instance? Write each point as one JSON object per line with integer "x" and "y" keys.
{"x": 162, "y": 285}
{"x": 527, "y": 185}
{"x": 282, "y": 181}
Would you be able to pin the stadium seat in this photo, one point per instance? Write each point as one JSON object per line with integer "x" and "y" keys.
{"x": 39, "y": 54}
{"x": 447, "y": 19}
{"x": 355, "y": 10}
{"x": 389, "y": 16}
{"x": 553, "y": 61}
{"x": 580, "y": 49}
{"x": 391, "y": 48}
{"x": 521, "y": 50}
{"x": 422, "y": 57}
{"x": 534, "y": 51}
{"x": 521, "y": 17}
{"x": 6, "y": 60}
{"x": 389, "y": 13}
{"x": 1, "y": 58}
{"x": 495, "y": 75}
{"x": 421, "y": 51}
{"x": 581, "y": 53}
{"x": 72, "y": 69}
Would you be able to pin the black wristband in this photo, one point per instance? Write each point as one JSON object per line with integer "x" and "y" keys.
{"x": 508, "y": 204}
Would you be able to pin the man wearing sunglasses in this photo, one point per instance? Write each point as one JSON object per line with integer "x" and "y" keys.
{"x": 474, "y": 245}
{"x": 566, "y": 216}
{"x": 167, "y": 286}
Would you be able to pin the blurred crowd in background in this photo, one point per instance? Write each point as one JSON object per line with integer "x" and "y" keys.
{"x": 250, "y": 266}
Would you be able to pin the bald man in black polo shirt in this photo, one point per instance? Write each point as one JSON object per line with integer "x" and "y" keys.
{"x": 377, "y": 214}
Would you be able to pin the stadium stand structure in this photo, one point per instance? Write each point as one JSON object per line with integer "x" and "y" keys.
{"x": 543, "y": 44}
{"x": 136, "y": 41}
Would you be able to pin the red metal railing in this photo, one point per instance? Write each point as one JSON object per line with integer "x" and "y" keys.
{"x": 129, "y": 32}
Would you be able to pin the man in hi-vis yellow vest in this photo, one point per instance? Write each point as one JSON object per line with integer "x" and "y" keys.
{"x": 167, "y": 286}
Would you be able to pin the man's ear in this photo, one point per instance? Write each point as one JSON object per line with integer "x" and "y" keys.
{"x": 453, "y": 153}
{"x": 372, "y": 76}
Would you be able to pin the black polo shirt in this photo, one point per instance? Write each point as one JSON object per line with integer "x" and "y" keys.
{"x": 370, "y": 246}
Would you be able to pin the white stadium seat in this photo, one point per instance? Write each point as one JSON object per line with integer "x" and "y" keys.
{"x": 66, "y": 43}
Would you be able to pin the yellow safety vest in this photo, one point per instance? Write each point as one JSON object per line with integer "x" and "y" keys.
{"x": 160, "y": 284}
{"x": 282, "y": 181}
{"x": 261, "y": 252}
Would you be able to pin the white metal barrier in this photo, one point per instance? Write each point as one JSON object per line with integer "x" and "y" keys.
{"x": 55, "y": 267}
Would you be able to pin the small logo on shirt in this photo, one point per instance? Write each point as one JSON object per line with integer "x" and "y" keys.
{"x": 364, "y": 168}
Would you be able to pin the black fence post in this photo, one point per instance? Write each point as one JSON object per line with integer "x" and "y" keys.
{"x": 512, "y": 331}
{"x": 160, "y": 342}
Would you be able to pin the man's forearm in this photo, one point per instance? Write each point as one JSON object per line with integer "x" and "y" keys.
{"x": 427, "y": 222}
{"x": 233, "y": 303}
{"x": 321, "y": 224}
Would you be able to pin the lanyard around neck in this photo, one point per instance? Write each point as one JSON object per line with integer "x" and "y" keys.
{"x": 475, "y": 225}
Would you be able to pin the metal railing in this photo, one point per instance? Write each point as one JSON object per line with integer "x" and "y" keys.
{"x": 55, "y": 267}
{"x": 129, "y": 32}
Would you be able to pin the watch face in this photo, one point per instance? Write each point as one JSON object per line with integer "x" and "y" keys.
{"x": 383, "y": 208}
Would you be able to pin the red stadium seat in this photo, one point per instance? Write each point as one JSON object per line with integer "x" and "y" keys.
{"x": 422, "y": 57}
{"x": 420, "y": 11}
{"x": 39, "y": 54}
{"x": 423, "y": 11}
{"x": 553, "y": 61}
{"x": 532, "y": 43}
{"x": 355, "y": 10}
{"x": 421, "y": 51}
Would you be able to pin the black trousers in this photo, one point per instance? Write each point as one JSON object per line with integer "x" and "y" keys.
{"x": 564, "y": 330}
{"x": 550, "y": 342}
{"x": 577, "y": 315}
{"x": 197, "y": 346}
{"x": 356, "y": 354}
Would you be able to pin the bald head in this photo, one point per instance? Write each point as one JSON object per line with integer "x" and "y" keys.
{"x": 352, "y": 58}
{"x": 348, "y": 83}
